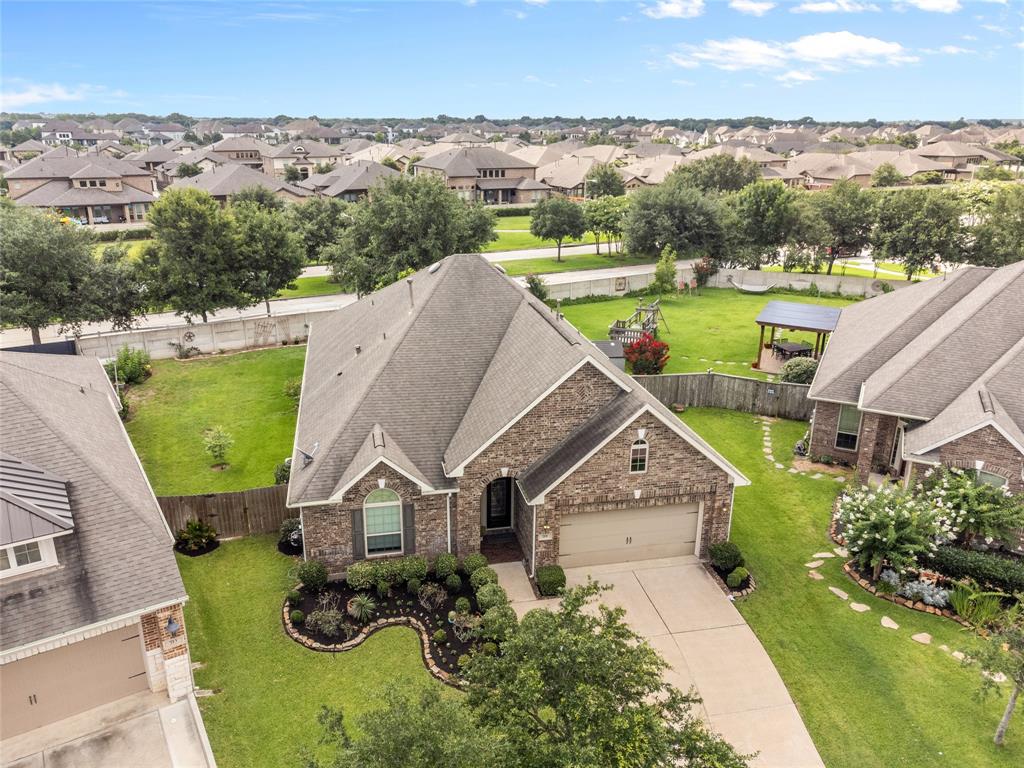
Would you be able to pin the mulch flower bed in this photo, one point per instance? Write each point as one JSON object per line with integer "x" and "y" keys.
{"x": 851, "y": 570}
{"x": 197, "y": 552}
{"x": 398, "y": 608}
{"x": 746, "y": 588}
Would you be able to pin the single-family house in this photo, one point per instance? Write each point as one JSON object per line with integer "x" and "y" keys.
{"x": 929, "y": 375}
{"x": 820, "y": 170}
{"x": 348, "y": 182}
{"x": 225, "y": 181}
{"x": 303, "y": 154}
{"x": 485, "y": 174}
{"x": 90, "y": 595}
{"x": 567, "y": 176}
{"x": 453, "y": 406}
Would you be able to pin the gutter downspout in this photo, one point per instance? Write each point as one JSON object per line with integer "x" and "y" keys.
{"x": 448, "y": 520}
{"x": 533, "y": 554}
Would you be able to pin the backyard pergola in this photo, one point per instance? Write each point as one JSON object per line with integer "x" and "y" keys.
{"x": 793, "y": 316}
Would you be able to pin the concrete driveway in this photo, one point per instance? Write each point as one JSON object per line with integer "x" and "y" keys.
{"x": 676, "y": 605}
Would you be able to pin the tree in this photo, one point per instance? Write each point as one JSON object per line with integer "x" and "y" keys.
{"x": 320, "y": 221}
{"x": 186, "y": 170}
{"x": 991, "y": 172}
{"x": 718, "y": 173}
{"x": 886, "y": 175}
{"x": 605, "y": 216}
{"x": 927, "y": 177}
{"x": 217, "y": 442}
{"x": 46, "y": 272}
{"x": 647, "y": 355}
{"x": 269, "y": 254}
{"x": 1004, "y": 652}
{"x": 665, "y": 272}
{"x": 578, "y": 687}
{"x": 261, "y": 196}
{"x": 604, "y": 181}
{"x": 292, "y": 174}
{"x": 390, "y": 162}
{"x": 846, "y": 212}
{"x": 916, "y": 228}
{"x": 413, "y": 729}
{"x": 191, "y": 263}
{"x": 678, "y": 215}
{"x": 998, "y": 237}
{"x": 535, "y": 284}
{"x": 408, "y": 223}
{"x": 558, "y": 218}
{"x": 768, "y": 216}
{"x": 119, "y": 287}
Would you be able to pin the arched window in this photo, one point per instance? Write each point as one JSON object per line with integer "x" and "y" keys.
{"x": 638, "y": 457}
{"x": 382, "y": 521}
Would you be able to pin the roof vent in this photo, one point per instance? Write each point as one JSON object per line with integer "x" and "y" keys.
{"x": 500, "y": 268}
{"x": 412, "y": 301}
{"x": 359, "y": 348}
{"x": 986, "y": 401}
{"x": 434, "y": 267}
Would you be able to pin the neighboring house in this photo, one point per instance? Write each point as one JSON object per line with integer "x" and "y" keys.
{"x": 454, "y": 405}
{"x": 243, "y": 150}
{"x": 304, "y": 155}
{"x": 56, "y": 132}
{"x": 649, "y": 149}
{"x": 820, "y": 170}
{"x": 28, "y": 149}
{"x": 763, "y": 158}
{"x": 956, "y": 155}
{"x": 92, "y": 188}
{"x": 173, "y": 131}
{"x": 225, "y": 181}
{"x": 485, "y": 174}
{"x": 926, "y": 376}
{"x": 567, "y": 176}
{"x": 153, "y": 158}
{"x": 348, "y": 182}
{"x": 542, "y": 154}
{"x": 91, "y": 607}
{"x": 648, "y": 172}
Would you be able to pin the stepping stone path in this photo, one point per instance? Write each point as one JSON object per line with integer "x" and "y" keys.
{"x": 838, "y": 593}
{"x": 860, "y": 607}
{"x": 889, "y": 623}
{"x": 995, "y": 677}
{"x": 815, "y": 575}
{"x": 958, "y": 655}
{"x": 922, "y": 637}
{"x": 791, "y": 471}
{"x": 841, "y": 551}
{"x": 822, "y": 555}
{"x": 840, "y": 479}
{"x": 817, "y": 476}
{"x": 814, "y": 564}
{"x": 778, "y": 466}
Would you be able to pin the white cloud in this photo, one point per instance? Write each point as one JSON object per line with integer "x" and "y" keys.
{"x": 533, "y": 79}
{"x": 536, "y": 2}
{"x": 674, "y": 9}
{"x": 684, "y": 82}
{"x": 18, "y": 94}
{"x": 795, "y": 77}
{"x": 821, "y": 52}
{"x": 752, "y": 7}
{"x": 970, "y": 37}
{"x": 954, "y": 50}
{"x": 834, "y": 6}
{"x": 935, "y": 6}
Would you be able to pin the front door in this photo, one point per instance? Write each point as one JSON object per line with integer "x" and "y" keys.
{"x": 499, "y": 504}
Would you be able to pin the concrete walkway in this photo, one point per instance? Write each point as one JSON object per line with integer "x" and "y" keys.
{"x": 677, "y": 606}
{"x": 140, "y": 730}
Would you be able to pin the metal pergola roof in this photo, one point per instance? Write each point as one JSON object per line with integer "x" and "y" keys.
{"x": 799, "y": 317}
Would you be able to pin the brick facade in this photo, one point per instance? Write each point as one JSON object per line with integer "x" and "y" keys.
{"x": 168, "y": 664}
{"x": 874, "y": 442}
{"x": 988, "y": 446}
{"x": 677, "y": 473}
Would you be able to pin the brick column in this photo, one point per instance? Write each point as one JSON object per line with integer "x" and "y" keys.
{"x": 168, "y": 665}
{"x": 866, "y": 446}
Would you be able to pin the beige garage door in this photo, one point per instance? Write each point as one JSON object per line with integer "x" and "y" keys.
{"x": 57, "y": 684}
{"x": 592, "y": 538}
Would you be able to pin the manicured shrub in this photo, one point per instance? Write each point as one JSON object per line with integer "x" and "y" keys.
{"x": 383, "y": 590}
{"x": 453, "y": 582}
{"x": 313, "y": 575}
{"x": 736, "y": 577}
{"x": 361, "y": 576}
{"x": 294, "y": 597}
{"x": 362, "y": 608}
{"x": 647, "y": 355}
{"x": 412, "y": 567}
{"x": 483, "y": 576}
{"x": 498, "y": 623}
{"x": 550, "y": 580}
{"x": 217, "y": 441}
{"x": 440, "y": 637}
{"x": 974, "y": 509}
{"x": 464, "y": 660}
{"x": 291, "y": 532}
{"x": 195, "y": 536}
{"x": 445, "y": 565}
{"x": 472, "y": 563}
{"x": 432, "y": 596}
{"x": 282, "y": 472}
{"x": 462, "y": 605}
{"x": 535, "y": 284}
{"x": 489, "y": 649}
{"x": 330, "y": 622}
{"x": 490, "y": 595}
{"x": 412, "y": 586}
{"x": 725, "y": 556}
{"x": 298, "y": 617}
{"x": 293, "y": 388}
{"x": 132, "y": 366}
{"x": 799, "y": 370}
{"x": 989, "y": 570}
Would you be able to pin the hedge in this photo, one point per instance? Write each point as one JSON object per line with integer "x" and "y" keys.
{"x": 987, "y": 569}
{"x": 504, "y": 212}
{"x": 550, "y": 580}
{"x": 111, "y": 236}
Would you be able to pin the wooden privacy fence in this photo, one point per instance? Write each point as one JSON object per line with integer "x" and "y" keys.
{"x": 738, "y": 393}
{"x": 241, "y": 513}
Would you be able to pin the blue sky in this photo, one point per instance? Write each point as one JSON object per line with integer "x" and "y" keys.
{"x": 832, "y": 59}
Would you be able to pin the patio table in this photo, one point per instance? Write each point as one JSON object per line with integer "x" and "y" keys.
{"x": 789, "y": 349}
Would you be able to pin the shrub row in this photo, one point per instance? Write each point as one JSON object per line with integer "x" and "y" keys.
{"x": 985, "y": 568}
{"x": 502, "y": 213}
{"x": 111, "y": 236}
{"x": 370, "y": 573}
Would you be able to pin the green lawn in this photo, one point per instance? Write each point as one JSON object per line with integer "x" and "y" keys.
{"x": 269, "y": 688}
{"x": 310, "y": 286}
{"x": 513, "y": 222}
{"x": 517, "y": 241}
{"x": 700, "y": 330}
{"x": 869, "y": 696}
{"x": 841, "y": 270}
{"x": 241, "y": 392}
{"x": 570, "y": 263}
{"x": 134, "y": 247}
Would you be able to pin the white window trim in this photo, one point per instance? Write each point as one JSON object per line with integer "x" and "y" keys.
{"x": 639, "y": 443}
{"x": 47, "y": 551}
{"x": 860, "y": 422}
{"x": 401, "y": 528}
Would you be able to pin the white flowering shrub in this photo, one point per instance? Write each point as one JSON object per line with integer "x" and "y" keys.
{"x": 888, "y": 526}
{"x": 971, "y": 509}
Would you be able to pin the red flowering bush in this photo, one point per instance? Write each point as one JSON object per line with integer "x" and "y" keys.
{"x": 647, "y": 355}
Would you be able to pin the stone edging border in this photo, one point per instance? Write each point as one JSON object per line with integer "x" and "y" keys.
{"x": 751, "y": 584}
{"x": 917, "y": 605}
{"x": 365, "y": 632}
